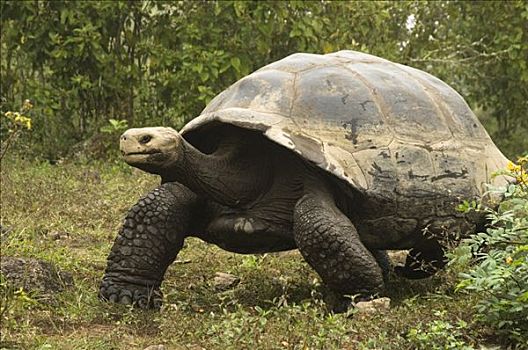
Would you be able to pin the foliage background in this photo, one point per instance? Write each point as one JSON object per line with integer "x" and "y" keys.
{"x": 158, "y": 63}
{"x": 94, "y": 68}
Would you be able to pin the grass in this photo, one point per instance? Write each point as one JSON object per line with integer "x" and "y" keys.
{"x": 69, "y": 214}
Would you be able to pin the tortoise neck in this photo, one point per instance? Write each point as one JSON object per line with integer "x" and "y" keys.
{"x": 236, "y": 173}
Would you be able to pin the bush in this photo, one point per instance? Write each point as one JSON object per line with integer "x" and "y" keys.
{"x": 160, "y": 62}
{"x": 439, "y": 334}
{"x": 13, "y": 125}
{"x": 496, "y": 261}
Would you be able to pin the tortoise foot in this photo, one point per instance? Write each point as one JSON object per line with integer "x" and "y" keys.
{"x": 141, "y": 296}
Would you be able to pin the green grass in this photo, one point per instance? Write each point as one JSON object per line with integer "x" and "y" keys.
{"x": 277, "y": 304}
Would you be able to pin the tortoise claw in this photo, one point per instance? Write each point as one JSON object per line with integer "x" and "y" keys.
{"x": 143, "y": 297}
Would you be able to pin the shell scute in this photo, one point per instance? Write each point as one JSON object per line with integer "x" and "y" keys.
{"x": 460, "y": 118}
{"x": 354, "y": 114}
{"x": 268, "y": 91}
{"x": 328, "y": 100}
{"x": 407, "y": 107}
{"x": 299, "y": 62}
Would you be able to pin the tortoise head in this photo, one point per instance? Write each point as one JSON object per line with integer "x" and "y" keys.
{"x": 151, "y": 149}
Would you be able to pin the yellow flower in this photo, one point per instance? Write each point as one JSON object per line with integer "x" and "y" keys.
{"x": 513, "y": 167}
{"x": 509, "y": 260}
{"x": 522, "y": 178}
{"x": 23, "y": 120}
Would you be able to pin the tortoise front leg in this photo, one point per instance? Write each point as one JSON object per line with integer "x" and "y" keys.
{"x": 148, "y": 242}
{"x": 329, "y": 242}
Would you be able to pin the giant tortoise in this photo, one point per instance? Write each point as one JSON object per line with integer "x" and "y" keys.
{"x": 341, "y": 156}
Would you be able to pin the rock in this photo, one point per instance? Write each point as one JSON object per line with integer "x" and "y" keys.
{"x": 224, "y": 281}
{"x": 398, "y": 256}
{"x": 34, "y": 275}
{"x": 379, "y": 305}
{"x": 57, "y": 235}
{"x": 184, "y": 261}
{"x": 156, "y": 347}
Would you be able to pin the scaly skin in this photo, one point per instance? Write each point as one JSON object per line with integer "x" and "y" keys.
{"x": 151, "y": 237}
{"x": 330, "y": 243}
{"x": 156, "y": 226}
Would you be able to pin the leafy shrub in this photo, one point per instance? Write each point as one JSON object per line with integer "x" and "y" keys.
{"x": 439, "y": 335}
{"x": 160, "y": 62}
{"x": 111, "y": 133}
{"x": 12, "y": 300}
{"x": 500, "y": 254}
{"x": 13, "y": 125}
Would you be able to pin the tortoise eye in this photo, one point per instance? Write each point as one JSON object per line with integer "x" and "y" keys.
{"x": 145, "y": 139}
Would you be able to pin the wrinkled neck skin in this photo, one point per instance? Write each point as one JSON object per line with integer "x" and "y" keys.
{"x": 234, "y": 175}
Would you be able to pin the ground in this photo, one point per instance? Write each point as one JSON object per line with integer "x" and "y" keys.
{"x": 68, "y": 214}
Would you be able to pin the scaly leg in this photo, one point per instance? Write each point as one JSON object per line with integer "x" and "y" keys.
{"x": 329, "y": 242}
{"x": 148, "y": 242}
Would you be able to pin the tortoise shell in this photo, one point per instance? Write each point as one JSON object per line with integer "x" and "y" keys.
{"x": 380, "y": 126}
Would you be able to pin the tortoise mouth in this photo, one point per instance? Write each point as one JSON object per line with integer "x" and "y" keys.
{"x": 152, "y": 157}
{"x": 144, "y": 153}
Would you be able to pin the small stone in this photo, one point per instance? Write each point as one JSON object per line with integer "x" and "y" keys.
{"x": 379, "y": 305}
{"x": 183, "y": 261}
{"x": 156, "y": 347}
{"x": 57, "y": 235}
{"x": 224, "y": 281}
{"x": 398, "y": 257}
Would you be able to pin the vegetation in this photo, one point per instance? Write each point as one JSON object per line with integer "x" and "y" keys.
{"x": 69, "y": 213}
{"x": 83, "y": 63}
{"x": 16, "y": 123}
{"x": 74, "y": 75}
{"x": 500, "y": 274}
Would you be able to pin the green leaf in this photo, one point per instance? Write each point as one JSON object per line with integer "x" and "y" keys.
{"x": 235, "y": 62}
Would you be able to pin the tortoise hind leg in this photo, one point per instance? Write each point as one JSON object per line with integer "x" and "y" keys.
{"x": 330, "y": 244}
{"x": 148, "y": 242}
{"x": 423, "y": 261}
{"x": 383, "y": 260}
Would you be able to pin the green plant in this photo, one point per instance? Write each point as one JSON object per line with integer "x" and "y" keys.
{"x": 105, "y": 144}
{"x": 278, "y": 303}
{"x": 16, "y": 123}
{"x": 13, "y": 301}
{"x": 114, "y": 126}
{"x": 495, "y": 262}
{"x": 439, "y": 335}
{"x": 159, "y": 62}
